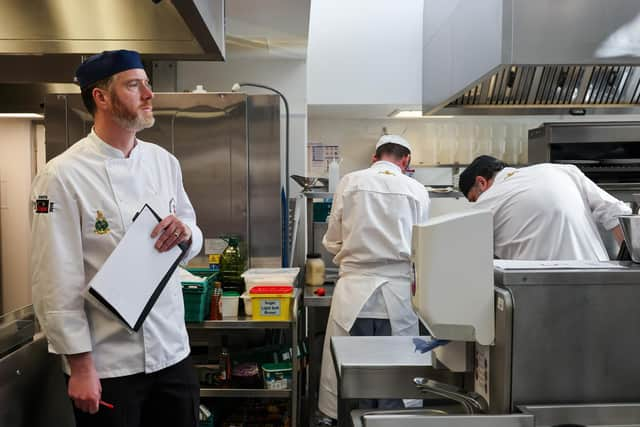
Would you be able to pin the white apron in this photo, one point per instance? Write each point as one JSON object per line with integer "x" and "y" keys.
{"x": 351, "y": 293}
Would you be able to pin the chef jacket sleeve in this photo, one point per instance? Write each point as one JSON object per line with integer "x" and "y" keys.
{"x": 604, "y": 207}
{"x": 57, "y": 266}
{"x": 332, "y": 239}
{"x": 186, "y": 214}
{"x": 425, "y": 203}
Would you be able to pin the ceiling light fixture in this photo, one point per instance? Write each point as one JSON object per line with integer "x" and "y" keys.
{"x": 414, "y": 114}
{"x": 21, "y": 116}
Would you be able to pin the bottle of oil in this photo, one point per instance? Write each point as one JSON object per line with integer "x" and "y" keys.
{"x": 232, "y": 264}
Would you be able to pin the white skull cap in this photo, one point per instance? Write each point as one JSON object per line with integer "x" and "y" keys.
{"x": 394, "y": 139}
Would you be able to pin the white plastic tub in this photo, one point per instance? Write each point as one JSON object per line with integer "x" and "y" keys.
{"x": 246, "y": 300}
{"x": 270, "y": 276}
{"x": 230, "y": 306}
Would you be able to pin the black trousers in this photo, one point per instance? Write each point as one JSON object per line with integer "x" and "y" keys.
{"x": 169, "y": 397}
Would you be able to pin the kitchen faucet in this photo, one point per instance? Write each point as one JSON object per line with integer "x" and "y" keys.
{"x": 472, "y": 402}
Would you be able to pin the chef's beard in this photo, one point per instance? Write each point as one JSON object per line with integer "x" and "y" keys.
{"x": 131, "y": 120}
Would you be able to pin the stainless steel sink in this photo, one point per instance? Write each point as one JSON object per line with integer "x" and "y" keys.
{"x": 605, "y": 415}
{"x": 435, "y": 418}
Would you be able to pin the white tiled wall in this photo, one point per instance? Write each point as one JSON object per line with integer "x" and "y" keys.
{"x": 436, "y": 142}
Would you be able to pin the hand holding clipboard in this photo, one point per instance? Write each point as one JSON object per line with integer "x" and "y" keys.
{"x": 134, "y": 275}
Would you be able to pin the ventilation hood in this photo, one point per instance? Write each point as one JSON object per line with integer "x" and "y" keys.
{"x": 185, "y": 28}
{"x": 486, "y": 57}
{"x": 42, "y": 42}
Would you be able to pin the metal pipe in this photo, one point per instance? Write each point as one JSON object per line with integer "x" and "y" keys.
{"x": 473, "y": 403}
{"x": 237, "y": 86}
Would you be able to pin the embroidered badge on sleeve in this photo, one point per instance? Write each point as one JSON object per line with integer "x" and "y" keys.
{"x": 102, "y": 226}
{"x": 42, "y": 205}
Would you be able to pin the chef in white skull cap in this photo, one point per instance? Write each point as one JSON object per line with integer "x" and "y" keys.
{"x": 369, "y": 232}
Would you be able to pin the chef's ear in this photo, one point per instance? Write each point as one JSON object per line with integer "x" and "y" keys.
{"x": 99, "y": 96}
{"x": 481, "y": 182}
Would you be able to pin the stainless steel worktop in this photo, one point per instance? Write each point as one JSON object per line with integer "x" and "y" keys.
{"x": 382, "y": 367}
{"x": 629, "y": 274}
{"x": 313, "y": 300}
{"x": 378, "y": 353}
{"x": 431, "y": 418}
{"x": 601, "y": 415}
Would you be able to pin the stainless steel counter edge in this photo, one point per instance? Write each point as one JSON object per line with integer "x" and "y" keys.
{"x": 313, "y": 300}
{"x": 629, "y": 275}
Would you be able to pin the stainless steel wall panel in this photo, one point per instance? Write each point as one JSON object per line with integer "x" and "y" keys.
{"x": 264, "y": 180}
{"x": 66, "y": 121}
{"x": 211, "y": 146}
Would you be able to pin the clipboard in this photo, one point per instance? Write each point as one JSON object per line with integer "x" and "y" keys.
{"x": 131, "y": 296}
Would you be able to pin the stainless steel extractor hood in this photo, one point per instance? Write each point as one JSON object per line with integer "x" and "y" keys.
{"x": 42, "y": 42}
{"x": 187, "y": 29}
{"x": 526, "y": 57}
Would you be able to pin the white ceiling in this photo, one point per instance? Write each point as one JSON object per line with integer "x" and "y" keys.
{"x": 267, "y": 28}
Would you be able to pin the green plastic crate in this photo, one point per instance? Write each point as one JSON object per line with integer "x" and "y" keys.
{"x": 197, "y": 296}
{"x": 321, "y": 211}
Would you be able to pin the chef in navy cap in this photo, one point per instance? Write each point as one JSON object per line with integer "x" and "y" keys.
{"x": 369, "y": 232}
{"x": 96, "y": 76}
{"x": 84, "y": 202}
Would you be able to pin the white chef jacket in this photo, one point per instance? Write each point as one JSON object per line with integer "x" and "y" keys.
{"x": 549, "y": 212}
{"x": 88, "y": 182}
{"x": 369, "y": 232}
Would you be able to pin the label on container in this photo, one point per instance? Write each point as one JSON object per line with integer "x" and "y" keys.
{"x": 270, "y": 307}
{"x": 214, "y": 246}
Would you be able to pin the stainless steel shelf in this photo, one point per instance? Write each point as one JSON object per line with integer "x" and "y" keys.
{"x": 241, "y": 322}
{"x": 317, "y": 194}
{"x": 244, "y": 392}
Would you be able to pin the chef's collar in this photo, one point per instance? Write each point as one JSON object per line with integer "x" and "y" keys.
{"x": 385, "y": 164}
{"x": 504, "y": 174}
{"x": 111, "y": 151}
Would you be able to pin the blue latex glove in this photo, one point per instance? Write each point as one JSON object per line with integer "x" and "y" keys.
{"x": 424, "y": 346}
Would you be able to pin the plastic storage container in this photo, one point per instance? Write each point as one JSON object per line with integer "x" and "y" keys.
{"x": 314, "y": 270}
{"x": 271, "y": 302}
{"x": 197, "y": 295}
{"x": 270, "y": 277}
{"x": 321, "y": 211}
{"x": 277, "y": 376}
{"x": 246, "y": 301}
{"x": 230, "y": 300}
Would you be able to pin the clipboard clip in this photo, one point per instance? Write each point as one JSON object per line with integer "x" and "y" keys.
{"x": 146, "y": 205}
{"x": 184, "y": 245}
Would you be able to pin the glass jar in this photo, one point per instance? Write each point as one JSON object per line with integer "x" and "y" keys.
{"x": 314, "y": 270}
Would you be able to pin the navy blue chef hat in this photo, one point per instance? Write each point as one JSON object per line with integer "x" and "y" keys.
{"x": 106, "y": 64}
{"x": 484, "y": 166}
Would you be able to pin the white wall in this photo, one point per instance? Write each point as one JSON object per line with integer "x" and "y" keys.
{"x": 16, "y": 164}
{"x": 434, "y": 142}
{"x": 437, "y": 142}
{"x": 287, "y": 76}
{"x": 365, "y": 52}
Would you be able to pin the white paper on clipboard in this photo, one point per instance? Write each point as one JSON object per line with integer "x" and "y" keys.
{"x": 132, "y": 278}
